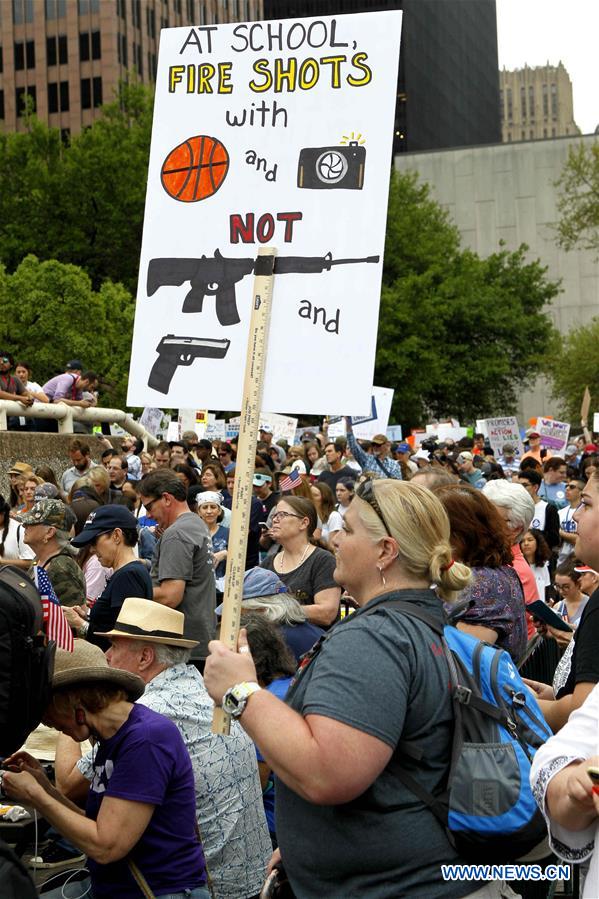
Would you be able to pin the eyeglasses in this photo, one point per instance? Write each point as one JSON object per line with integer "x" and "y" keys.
{"x": 148, "y": 506}
{"x": 573, "y": 487}
{"x": 282, "y": 515}
{"x": 366, "y": 492}
{"x": 224, "y": 453}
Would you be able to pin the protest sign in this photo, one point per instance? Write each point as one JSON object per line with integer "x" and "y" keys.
{"x": 394, "y": 433}
{"x": 281, "y": 426}
{"x": 216, "y": 429}
{"x": 373, "y": 422}
{"x": 150, "y": 420}
{"x": 501, "y": 431}
{"x": 554, "y": 434}
{"x": 275, "y": 133}
{"x": 595, "y": 422}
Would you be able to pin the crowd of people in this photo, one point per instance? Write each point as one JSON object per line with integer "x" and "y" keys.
{"x": 328, "y": 679}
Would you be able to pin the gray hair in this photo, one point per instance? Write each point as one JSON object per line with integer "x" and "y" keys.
{"x": 170, "y": 655}
{"x": 280, "y": 608}
{"x": 516, "y": 500}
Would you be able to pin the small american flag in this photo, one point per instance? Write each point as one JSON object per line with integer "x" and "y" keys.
{"x": 55, "y": 624}
{"x": 292, "y": 480}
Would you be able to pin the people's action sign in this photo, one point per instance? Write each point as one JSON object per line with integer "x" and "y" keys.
{"x": 501, "y": 431}
{"x": 278, "y": 134}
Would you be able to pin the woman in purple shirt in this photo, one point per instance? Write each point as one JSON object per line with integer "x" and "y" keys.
{"x": 479, "y": 540}
{"x": 138, "y": 829}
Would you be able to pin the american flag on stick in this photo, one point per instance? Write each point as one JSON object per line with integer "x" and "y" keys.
{"x": 292, "y": 480}
{"x": 56, "y": 625}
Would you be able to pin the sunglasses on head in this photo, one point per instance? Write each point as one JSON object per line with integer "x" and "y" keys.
{"x": 366, "y": 492}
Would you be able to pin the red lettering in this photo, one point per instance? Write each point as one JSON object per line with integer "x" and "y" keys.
{"x": 265, "y": 228}
{"x": 289, "y": 218}
{"x": 238, "y": 228}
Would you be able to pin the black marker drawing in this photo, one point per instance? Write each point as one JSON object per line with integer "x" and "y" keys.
{"x": 174, "y": 351}
{"x": 217, "y": 276}
{"x": 332, "y": 168}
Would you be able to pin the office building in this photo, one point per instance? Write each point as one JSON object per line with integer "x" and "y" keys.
{"x": 68, "y": 56}
{"x": 503, "y": 196}
{"x": 448, "y": 88}
{"x": 536, "y": 103}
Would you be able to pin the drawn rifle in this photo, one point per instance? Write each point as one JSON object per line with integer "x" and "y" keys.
{"x": 174, "y": 351}
{"x": 217, "y": 276}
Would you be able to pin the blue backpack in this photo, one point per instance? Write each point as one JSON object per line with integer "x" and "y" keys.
{"x": 487, "y": 808}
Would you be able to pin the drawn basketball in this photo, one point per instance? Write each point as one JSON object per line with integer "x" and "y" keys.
{"x": 195, "y": 169}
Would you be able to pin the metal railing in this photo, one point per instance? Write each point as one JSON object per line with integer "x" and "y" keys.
{"x": 65, "y": 416}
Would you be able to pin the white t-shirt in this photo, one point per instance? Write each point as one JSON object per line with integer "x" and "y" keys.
{"x": 538, "y": 520}
{"x": 333, "y": 523}
{"x": 542, "y": 577}
{"x": 14, "y": 545}
{"x": 566, "y": 523}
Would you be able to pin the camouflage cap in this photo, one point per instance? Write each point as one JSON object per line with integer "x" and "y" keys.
{"x": 52, "y": 512}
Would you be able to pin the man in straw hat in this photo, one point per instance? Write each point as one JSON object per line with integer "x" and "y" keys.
{"x": 147, "y": 640}
{"x": 138, "y": 829}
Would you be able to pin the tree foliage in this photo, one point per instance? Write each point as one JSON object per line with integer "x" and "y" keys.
{"x": 53, "y": 315}
{"x": 578, "y": 199}
{"x": 458, "y": 335}
{"x": 574, "y": 366}
{"x": 82, "y": 203}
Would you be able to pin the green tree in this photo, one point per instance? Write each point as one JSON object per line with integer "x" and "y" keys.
{"x": 82, "y": 203}
{"x": 55, "y": 315}
{"x": 574, "y": 366}
{"x": 458, "y": 335}
{"x": 578, "y": 199}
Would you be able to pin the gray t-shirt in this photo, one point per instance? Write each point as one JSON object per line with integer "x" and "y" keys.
{"x": 384, "y": 674}
{"x": 184, "y": 553}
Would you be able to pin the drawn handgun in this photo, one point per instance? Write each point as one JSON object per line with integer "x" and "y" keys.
{"x": 217, "y": 276}
{"x": 174, "y": 351}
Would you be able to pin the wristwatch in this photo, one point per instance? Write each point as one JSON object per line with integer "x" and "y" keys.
{"x": 236, "y": 698}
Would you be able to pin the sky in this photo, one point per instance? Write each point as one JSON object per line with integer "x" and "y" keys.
{"x": 536, "y": 31}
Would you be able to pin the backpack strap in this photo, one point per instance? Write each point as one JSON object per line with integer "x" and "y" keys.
{"x": 461, "y": 694}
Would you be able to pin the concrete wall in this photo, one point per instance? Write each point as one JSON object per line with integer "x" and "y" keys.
{"x": 41, "y": 449}
{"x": 506, "y": 192}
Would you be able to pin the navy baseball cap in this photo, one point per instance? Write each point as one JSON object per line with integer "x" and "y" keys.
{"x": 74, "y": 365}
{"x": 104, "y": 520}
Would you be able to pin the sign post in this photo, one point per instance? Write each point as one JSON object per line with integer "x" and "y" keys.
{"x": 253, "y": 385}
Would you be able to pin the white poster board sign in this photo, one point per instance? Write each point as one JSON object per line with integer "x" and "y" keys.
{"x": 277, "y": 134}
{"x": 554, "y": 434}
{"x": 501, "y": 431}
{"x": 216, "y": 429}
{"x": 375, "y": 421}
{"x": 595, "y": 422}
{"x": 281, "y": 426}
{"x": 150, "y": 420}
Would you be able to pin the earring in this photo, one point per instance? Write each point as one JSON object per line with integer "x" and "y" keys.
{"x": 79, "y": 716}
{"x": 382, "y": 577}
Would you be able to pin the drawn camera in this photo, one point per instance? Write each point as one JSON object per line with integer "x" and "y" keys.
{"x": 332, "y": 168}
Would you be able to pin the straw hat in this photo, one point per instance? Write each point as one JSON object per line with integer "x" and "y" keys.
{"x": 143, "y": 619}
{"x": 87, "y": 664}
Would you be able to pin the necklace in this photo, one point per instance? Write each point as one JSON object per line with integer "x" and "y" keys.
{"x": 303, "y": 556}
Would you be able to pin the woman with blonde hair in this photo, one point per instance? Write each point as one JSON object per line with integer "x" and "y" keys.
{"x": 346, "y": 824}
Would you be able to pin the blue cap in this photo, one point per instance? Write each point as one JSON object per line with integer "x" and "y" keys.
{"x": 102, "y": 521}
{"x": 402, "y": 447}
{"x": 259, "y": 582}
